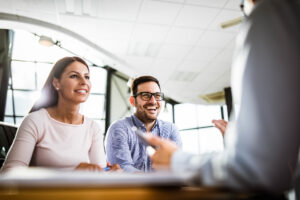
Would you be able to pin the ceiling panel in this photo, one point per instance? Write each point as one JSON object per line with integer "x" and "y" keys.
{"x": 208, "y": 3}
{"x": 233, "y": 4}
{"x": 183, "y": 75}
{"x": 88, "y": 26}
{"x": 194, "y": 66}
{"x": 196, "y": 16}
{"x": 171, "y": 1}
{"x": 173, "y": 51}
{"x": 114, "y": 29}
{"x": 116, "y": 46}
{"x": 102, "y": 28}
{"x": 77, "y": 7}
{"x": 149, "y": 33}
{"x": 231, "y": 45}
{"x": 143, "y": 49}
{"x": 140, "y": 64}
{"x": 37, "y": 6}
{"x": 90, "y": 7}
{"x": 219, "y": 85}
{"x": 158, "y": 12}
{"x": 205, "y": 78}
{"x": 202, "y": 53}
{"x": 224, "y": 16}
{"x": 225, "y": 56}
{"x": 44, "y": 16}
{"x": 162, "y": 68}
{"x": 183, "y": 36}
{"x": 173, "y": 87}
{"x": 119, "y": 9}
{"x": 217, "y": 67}
{"x": 215, "y": 39}
{"x": 6, "y": 6}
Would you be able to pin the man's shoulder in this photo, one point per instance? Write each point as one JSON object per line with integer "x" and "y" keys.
{"x": 170, "y": 131}
{"x": 166, "y": 128}
{"x": 120, "y": 128}
{"x": 121, "y": 123}
{"x": 165, "y": 123}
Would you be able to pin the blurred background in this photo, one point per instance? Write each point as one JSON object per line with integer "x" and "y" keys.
{"x": 187, "y": 44}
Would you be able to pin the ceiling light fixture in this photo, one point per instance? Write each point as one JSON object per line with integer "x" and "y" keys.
{"x": 232, "y": 22}
{"x": 46, "y": 41}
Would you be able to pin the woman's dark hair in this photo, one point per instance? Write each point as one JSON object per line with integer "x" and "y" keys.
{"x": 49, "y": 95}
{"x": 140, "y": 80}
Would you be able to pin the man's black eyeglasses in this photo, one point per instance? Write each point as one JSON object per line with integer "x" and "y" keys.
{"x": 146, "y": 96}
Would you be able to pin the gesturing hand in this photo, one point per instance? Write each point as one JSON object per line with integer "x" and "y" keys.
{"x": 221, "y": 125}
{"x": 161, "y": 159}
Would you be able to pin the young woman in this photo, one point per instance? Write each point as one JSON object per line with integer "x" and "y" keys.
{"x": 55, "y": 134}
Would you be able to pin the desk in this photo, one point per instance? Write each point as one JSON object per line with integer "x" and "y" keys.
{"x": 124, "y": 193}
{"x": 47, "y": 184}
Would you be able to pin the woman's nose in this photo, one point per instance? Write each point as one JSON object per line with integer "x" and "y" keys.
{"x": 83, "y": 81}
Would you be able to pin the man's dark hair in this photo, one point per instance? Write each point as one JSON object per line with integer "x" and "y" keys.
{"x": 140, "y": 80}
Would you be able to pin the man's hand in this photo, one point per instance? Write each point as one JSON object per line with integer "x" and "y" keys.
{"x": 164, "y": 151}
{"x": 88, "y": 167}
{"x": 221, "y": 125}
{"x": 114, "y": 167}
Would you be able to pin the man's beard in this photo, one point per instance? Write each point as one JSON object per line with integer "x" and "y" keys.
{"x": 144, "y": 117}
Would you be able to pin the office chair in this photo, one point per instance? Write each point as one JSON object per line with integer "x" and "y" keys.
{"x": 7, "y": 135}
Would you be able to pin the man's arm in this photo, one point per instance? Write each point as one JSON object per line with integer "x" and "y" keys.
{"x": 175, "y": 136}
{"x": 117, "y": 148}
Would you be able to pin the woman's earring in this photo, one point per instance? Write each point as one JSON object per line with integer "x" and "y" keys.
{"x": 57, "y": 88}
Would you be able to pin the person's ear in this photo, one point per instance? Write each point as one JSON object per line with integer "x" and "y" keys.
{"x": 55, "y": 84}
{"x": 132, "y": 100}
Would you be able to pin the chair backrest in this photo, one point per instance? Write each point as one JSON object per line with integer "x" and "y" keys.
{"x": 7, "y": 135}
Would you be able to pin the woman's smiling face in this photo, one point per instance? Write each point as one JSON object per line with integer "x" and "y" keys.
{"x": 74, "y": 84}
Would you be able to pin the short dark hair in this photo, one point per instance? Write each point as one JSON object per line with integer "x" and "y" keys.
{"x": 49, "y": 95}
{"x": 140, "y": 80}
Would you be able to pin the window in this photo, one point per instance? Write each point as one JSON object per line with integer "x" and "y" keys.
{"x": 196, "y": 129}
{"x": 166, "y": 112}
{"x": 30, "y": 68}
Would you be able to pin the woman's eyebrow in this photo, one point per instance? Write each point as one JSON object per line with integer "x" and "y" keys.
{"x": 77, "y": 72}
{"x": 73, "y": 72}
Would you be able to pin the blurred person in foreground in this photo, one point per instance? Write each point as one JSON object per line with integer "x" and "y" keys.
{"x": 55, "y": 134}
{"x": 263, "y": 144}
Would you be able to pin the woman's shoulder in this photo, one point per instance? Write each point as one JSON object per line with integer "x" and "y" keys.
{"x": 37, "y": 116}
{"x": 92, "y": 124}
{"x": 34, "y": 123}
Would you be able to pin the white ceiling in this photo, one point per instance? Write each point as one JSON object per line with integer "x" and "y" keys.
{"x": 178, "y": 41}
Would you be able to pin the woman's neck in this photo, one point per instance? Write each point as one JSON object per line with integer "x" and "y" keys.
{"x": 66, "y": 113}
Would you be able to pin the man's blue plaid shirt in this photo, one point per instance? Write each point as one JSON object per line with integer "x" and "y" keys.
{"x": 124, "y": 148}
